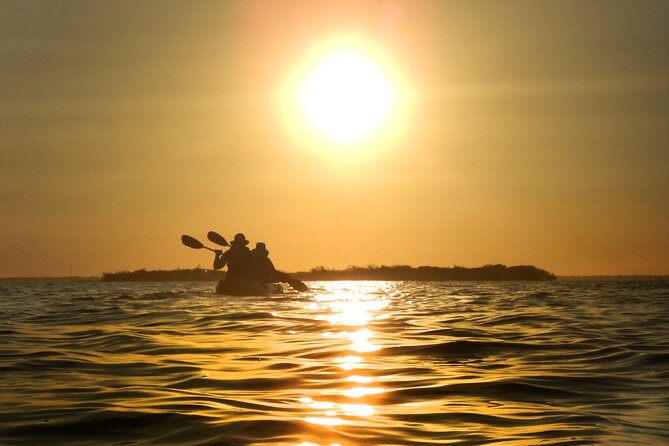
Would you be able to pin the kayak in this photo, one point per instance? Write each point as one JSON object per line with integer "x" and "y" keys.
{"x": 246, "y": 287}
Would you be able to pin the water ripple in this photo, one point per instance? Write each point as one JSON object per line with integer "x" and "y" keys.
{"x": 351, "y": 363}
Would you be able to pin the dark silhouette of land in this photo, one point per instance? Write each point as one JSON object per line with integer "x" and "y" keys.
{"x": 51, "y": 279}
{"x": 176, "y": 275}
{"x": 398, "y": 272}
{"x": 428, "y": 273}
{"x": 199, "y": 275}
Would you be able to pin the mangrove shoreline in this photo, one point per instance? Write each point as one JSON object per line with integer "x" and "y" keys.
{"x": 372, "y": 272}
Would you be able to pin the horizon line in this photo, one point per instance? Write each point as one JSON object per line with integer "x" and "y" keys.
{"x": 557, "y": 276}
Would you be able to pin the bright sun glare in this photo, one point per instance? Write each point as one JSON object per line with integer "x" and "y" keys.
{"x": 346, "y": 97}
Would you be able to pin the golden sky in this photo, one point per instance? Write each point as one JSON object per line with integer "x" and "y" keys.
{"x": 521, "y": 132}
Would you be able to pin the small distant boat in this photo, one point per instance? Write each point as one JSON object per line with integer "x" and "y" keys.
{"x": 245, "y": 287}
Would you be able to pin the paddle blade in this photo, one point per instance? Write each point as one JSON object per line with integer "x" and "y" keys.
{"x": 215, "y": 237}
{"x": 298, "y": 285}
{"x": 191, "y": 242}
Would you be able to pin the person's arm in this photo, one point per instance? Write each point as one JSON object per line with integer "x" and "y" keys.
{"x": 220, "y": 259}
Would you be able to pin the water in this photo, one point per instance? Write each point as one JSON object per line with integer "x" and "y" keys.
{"x": 352, "y": 363}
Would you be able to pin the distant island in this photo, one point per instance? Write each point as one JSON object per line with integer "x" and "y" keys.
{"x": 428, "y": 273}
{"x": 175, "y": 275}
{"x": 372, "y": 272}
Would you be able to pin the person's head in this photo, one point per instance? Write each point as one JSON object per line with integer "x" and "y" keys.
{"x": 261, "y": 248}
{"x": 239, "y": 241}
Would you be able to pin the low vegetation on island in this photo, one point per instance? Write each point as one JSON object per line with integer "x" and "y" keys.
{"x": 428, "y": 273}
{"x": 176, "y": 275}
{"x": 372, "y": 272}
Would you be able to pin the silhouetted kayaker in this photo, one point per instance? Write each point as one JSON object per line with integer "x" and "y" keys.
{"x": 267, "y": 273}
{"x": 262, "y": 265}
{"x": 249, "y": 271}
{"x": 238, "y": 258}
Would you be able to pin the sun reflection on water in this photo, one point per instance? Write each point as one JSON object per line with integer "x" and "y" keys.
{"x": 360, "y": 379}
{"x": 348, "y": 305}
{"x": 358, "y": 392}
{"x": 360, "y": 340}
{"x": 307, "y": 443}
{"x": 349, "y": 362}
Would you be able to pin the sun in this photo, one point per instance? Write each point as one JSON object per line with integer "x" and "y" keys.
{"x": 346, "y": 97}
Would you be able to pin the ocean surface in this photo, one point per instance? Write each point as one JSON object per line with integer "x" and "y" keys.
{"x": 350, "y": 363}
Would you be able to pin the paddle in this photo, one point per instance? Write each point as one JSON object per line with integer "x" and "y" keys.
{"x": 215, "y": 237}
{"x": 194, "y": 243}
{"x": 297, "y": 284}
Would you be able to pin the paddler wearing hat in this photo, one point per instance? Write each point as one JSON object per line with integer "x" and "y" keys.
{"x": 238, "y": 258}
{"x": 263, "y": 267}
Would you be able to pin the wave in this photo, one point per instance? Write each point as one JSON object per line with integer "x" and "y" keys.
{"x": 350, "y": 364}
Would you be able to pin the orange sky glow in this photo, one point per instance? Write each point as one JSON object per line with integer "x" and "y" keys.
{"x": 516, "y": 132}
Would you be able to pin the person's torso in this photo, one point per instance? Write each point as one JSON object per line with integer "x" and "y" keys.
{"x": 239, "y": 262}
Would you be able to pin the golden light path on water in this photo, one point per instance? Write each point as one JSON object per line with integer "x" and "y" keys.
{"x": 349, "y": 310}
{"x": 367, "y": 329}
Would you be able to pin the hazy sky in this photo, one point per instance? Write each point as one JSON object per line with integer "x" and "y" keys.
{"x": 531, "y": 132}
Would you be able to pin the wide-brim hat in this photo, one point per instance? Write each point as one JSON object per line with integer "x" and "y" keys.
{"x": 260, "y": 246}
{"x": 239, "y": 240}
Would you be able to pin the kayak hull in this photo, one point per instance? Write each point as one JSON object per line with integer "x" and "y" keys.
{"x": 247, "y": 288}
